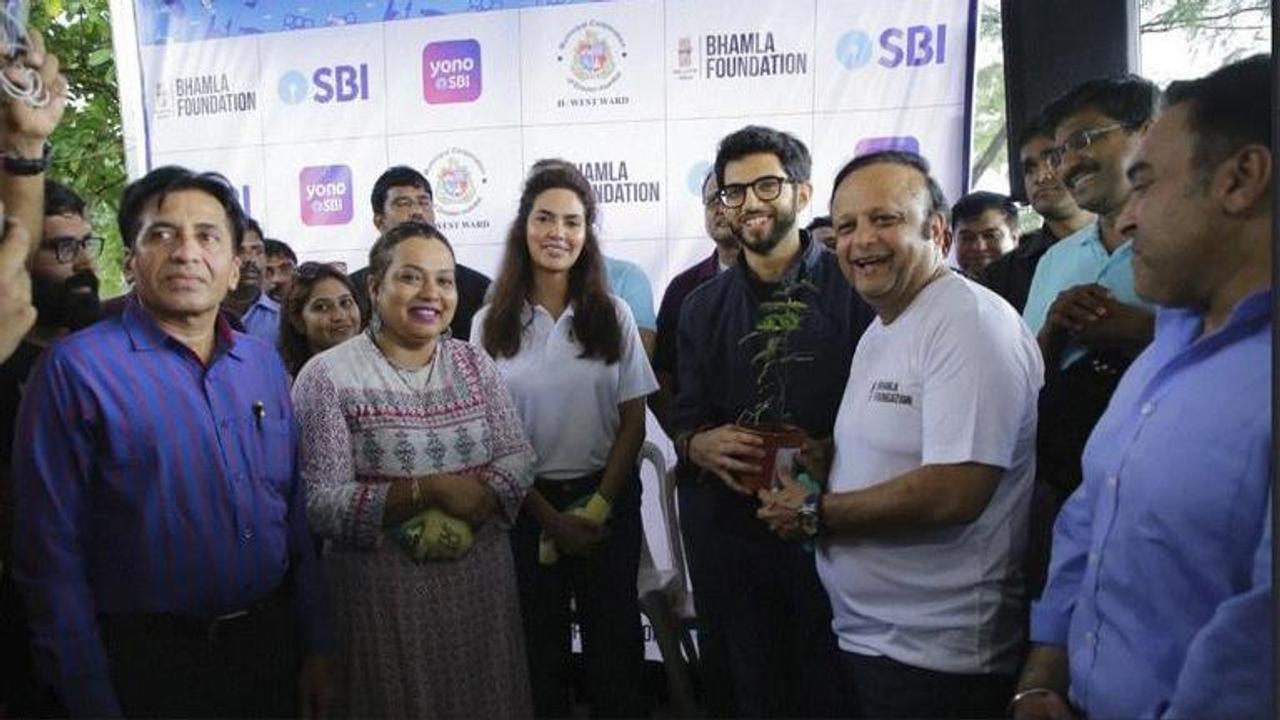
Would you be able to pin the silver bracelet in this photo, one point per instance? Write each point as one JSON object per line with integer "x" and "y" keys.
{"x": 1024, "y": 694}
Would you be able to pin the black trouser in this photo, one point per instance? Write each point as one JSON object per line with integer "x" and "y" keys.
{"x": 889, "y": 689}
{"x": 603, "y": 589}
{"x": 697, "y": 515}
{"x": 21, "y": 694}
{"x": 172, "y": 666}
{"x": 776, "y": 620}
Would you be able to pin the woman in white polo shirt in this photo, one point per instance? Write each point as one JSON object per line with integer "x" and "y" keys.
{"x": 571, "y": 355}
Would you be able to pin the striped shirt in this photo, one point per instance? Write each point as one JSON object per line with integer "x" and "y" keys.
{"x": 148, "y": 482}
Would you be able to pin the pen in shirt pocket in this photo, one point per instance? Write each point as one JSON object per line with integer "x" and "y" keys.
{"x": 259, "y": 412}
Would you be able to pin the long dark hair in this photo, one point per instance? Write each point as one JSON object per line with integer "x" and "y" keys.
{"x": 595, "y": 319}
{"x": 293, "y": 341}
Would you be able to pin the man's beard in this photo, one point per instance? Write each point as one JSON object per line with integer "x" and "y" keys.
{"x": 784, "y": 220}
{"x": 59, "y": 303}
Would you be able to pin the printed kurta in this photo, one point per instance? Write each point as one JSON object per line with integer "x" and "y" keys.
{"x": 431, "y": 639}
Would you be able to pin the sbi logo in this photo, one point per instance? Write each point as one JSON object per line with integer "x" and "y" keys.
{"x": 341, "y": 83}
{"x": 914, "y": 46}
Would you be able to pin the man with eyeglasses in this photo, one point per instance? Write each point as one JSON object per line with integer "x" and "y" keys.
{"x": 402, "y": 194}
{"x": 1089, "y": 320}
{"x": 765, "y": 595}
{"x": 1010, "y": 276}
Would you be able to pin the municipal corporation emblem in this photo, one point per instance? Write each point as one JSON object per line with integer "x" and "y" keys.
{"x": 457, "y": 176}
{"x": 593, "y": 51}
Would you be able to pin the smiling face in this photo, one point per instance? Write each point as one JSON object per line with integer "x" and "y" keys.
{"x": 887, "y": 243}
{"x": 761, "y": 225}
{"x": 416, "y": 297}
{"x": 330, "y": 315}
{"x": 183, "y": 262}
{"x": 1179, "y": 243}
{"x": 556, "y": 230}
{"x": 1095, "y": 174}
{"x": 981, "y": 240}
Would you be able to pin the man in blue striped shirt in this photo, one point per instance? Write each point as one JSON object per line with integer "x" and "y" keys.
{"x": 161, "y": 541}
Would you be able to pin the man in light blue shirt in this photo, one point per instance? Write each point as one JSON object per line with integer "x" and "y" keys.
{"x": 1159, "y": 599}
{"x": 257, "y": 312}
{"x": 1089, "y": 322}
{"x": 628, "y": 281}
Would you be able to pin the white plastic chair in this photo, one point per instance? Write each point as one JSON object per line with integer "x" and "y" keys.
{"x": 664, "y": 593}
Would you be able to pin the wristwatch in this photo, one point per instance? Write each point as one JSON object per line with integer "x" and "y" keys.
{"x": 15, "y": 165}
{"x": 810, "y": 514}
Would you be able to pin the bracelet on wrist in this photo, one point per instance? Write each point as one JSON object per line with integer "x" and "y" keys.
{"x": 1024, "y": 694}
{"x": 17, "y": 164}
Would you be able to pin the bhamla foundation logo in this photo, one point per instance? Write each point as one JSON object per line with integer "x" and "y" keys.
{"x": 201, "y": 95}
{"x": 593, "y": 53}
{"x": 458, "y": 178}
{"x": 733, "y": 55}
{"x": 613, "y": 184}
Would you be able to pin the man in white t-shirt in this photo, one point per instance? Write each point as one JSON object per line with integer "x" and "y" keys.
{"x": 922, "y": 529}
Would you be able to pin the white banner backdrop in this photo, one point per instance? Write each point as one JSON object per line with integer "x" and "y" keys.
{"x": 303, "y": 104}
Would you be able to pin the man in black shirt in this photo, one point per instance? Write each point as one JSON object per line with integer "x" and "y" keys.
{"x": 765, "y": 594}
{"x": 64, "y": 290}
{"x": 402, "y": 194}
{"x": 1010, "y": 275}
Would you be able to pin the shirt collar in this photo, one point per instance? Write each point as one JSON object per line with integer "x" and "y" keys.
{"x": 146, "y": 334}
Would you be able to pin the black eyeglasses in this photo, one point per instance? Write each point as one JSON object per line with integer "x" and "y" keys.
{"x": 67, "y": 248}
{"x": 765, "y": 188}
{"x": 1077, "y": 141}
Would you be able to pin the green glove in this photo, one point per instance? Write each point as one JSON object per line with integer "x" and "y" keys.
{"x": 435, "y": 535}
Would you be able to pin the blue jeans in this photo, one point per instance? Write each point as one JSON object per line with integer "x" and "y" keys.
{"x": 603, "y": 588}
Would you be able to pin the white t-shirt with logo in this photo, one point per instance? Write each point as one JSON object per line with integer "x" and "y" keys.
{"x": 569, "y": 404}
{"x": 953, "y": 379}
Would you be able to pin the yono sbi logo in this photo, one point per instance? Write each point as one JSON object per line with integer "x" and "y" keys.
{"x": 913, "y": 46}
{"x": 325, "y": 194}
{"x": 451, "y": 72}
{"x": 336, "y": 84}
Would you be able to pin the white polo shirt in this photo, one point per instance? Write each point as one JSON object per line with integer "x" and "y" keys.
{"x": 569, "y": 404}
{"x": 953, "y": 379}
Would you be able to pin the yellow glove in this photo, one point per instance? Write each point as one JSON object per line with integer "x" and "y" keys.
{"x": 595, "y": 510}
{"x": 435, "y": 535}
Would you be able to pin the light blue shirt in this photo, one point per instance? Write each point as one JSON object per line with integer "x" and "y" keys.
{"x": 628, "y": 281}
{"x": 262, "y": 320}
{"x": 1079, "y": 259}
{"x": 1160, "y": 581}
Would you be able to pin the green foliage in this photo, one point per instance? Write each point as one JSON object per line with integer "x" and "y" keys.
{"x": 88, "y": 145}
{"x": 779, "y": 319}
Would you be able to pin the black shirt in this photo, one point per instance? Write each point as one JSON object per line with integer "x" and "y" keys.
{"x": 716, "y": 378}
{"x": 473, "y": 285}
{"x": 1010, "y": 274}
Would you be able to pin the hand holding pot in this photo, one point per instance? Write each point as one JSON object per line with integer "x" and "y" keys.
{"x": 726, "y": 450}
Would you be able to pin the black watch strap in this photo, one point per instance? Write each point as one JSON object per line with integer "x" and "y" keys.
{"x": 14, "y": 165}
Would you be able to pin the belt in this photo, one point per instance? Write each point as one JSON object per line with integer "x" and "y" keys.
{"x": 210, "y": 628}
{"x": 562, "y": 492}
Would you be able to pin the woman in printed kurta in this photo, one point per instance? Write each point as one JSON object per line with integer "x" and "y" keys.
{"x": 397, "y": 421}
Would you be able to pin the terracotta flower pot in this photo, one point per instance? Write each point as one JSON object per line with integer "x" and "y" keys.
{"x": 780, "y": 441}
